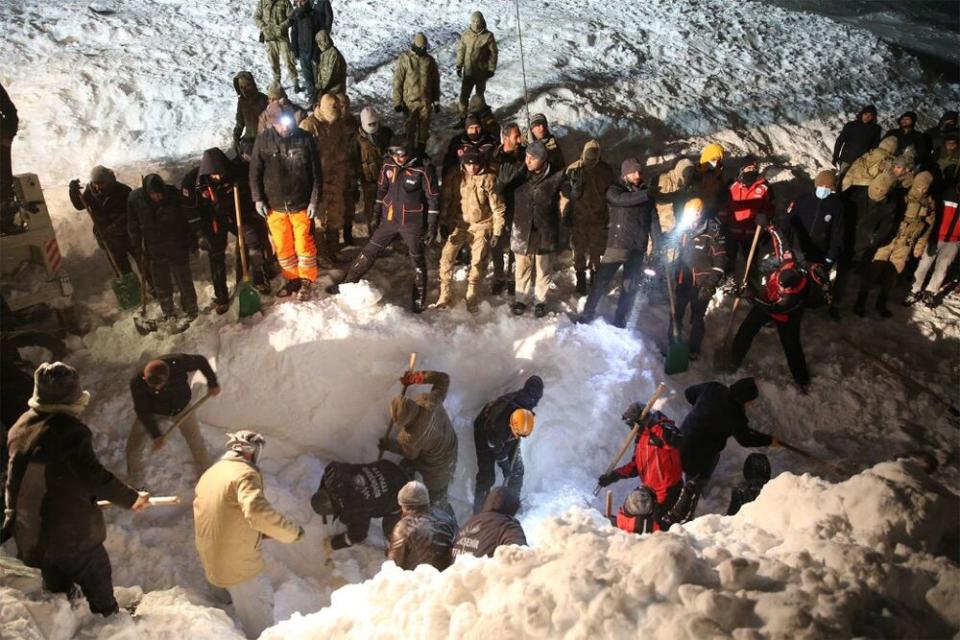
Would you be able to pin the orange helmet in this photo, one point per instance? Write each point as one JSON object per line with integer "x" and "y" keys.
{"x": 521, "y": 422}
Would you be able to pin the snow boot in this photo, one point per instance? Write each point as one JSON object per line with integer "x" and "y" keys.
{"x": 581, "y": 282}
{"x": 930, "y": 300}
{"x": 333, "y": 245}
{"x": 221, "y": 307}
{"x": 912, "y": 299}
{"x": 289, "y": 288}
{"x": 358, "y": 269}
{"x": 517, "y": 308}
{"x": 860, "y": 306}
{"x": 445, "y": 297}
{"x": 499, "y": 286}
{"x": 306, "y": 289}
{"x": 881, "y": 306}
{"x": 472, "y": 301}
{"x": 539, "y": 310}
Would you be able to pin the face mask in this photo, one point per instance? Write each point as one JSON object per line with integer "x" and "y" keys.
{"x": 824, "y": 192}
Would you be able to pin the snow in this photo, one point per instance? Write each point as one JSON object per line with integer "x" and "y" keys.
{"x": 147, "y": 88}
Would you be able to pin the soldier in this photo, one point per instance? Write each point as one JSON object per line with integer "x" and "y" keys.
{"x": 408, "y": 205}
{"x": 425, "y": 437}
{"x": 158, "y": 224}
{"x": 105, "y": 199}
{"x": 351, "y": 127}
{"x": 416, "y": 89}
{"x": 476, "y": 60}
{"x": 540, "y": 130}
{"x": 273, "y": 19}
{"x": 331, "y": 68}
{"x": 250, "y": 104}
{"x": 480, "y": 223}
{"x": 330, "y": 141}
{"x": 590, "y": 176}
{"x": 369, "y": 148}
{"x": 306, "y": 21}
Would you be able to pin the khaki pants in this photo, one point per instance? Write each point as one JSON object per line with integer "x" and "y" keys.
{"x": 138, "y": 438}
{"x": 524, "y": 277}
{"x": 588, "y": 241}
{"x": 478, "y": 237}
{"x": 418, "y": 124}
{"x": 277, "y": 49}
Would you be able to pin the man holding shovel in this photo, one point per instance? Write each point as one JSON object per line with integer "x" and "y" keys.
{"x": 162, "y": 390}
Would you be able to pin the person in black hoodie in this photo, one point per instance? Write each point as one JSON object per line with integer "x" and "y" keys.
{"x": 856, "y": 138}
{"x": 105, "y": 199}
{"x": 908, "y": 136}
{"x": 250, "y": 104}
{"x": 756, "y": 473}
{"x": 158, "y": 226}
{"x": 354, "y": 494}
{"x": 307, "y": 19}
{"x": 54, "y": 483}
{"x": 632, "y": 225}
{"x": 495, "y": 526}
{"x": 497, "y": 443}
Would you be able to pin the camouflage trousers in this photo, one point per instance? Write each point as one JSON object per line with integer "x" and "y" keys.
{"x": 277, "y": 49}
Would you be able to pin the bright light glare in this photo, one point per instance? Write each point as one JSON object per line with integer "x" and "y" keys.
{"x": 650, "y": 272}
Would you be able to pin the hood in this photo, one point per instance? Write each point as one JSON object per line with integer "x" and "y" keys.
{"x": 744, "y": 390}
{"x": 369, "y": 120}
{"x": 214, "y": 161}
{"x": 244, "y": 75}
{"x": 323, "y": 40}
{"x": 949, "y": 116}
{"x": 327, "y": 110}
{"x": 921, "y": 184}
{"x": 756, "y": 467}
{"x": 153, "y": 183}
{"x": 867, "y": 109}
{"x": 533, "y": 387}
{"x": 502, "y": 500}
{"x": 590, "y": 155}
{"x": 102, "y": 175}
{"x": 420, "y": 44}
{"x": 889, "y": 145}
{"x": 477, "y": 23}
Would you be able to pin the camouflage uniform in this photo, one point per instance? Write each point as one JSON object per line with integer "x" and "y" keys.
{"x": 327, "y": 129}
{"x": 273, "y": 19}
{"x": 590, "y": 215}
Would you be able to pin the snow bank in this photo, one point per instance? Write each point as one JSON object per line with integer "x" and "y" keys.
{"x": 808, "y": 559}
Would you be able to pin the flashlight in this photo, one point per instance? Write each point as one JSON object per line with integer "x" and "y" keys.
{"x": 649, "y": 272}
{"x": 286, "y": 121}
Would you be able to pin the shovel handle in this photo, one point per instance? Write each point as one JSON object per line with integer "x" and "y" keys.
{"x": 159, "y": 501}
{"x": 186, "y": 414}
{"x": 743, "y": 284}
{"x": 403, "y": 393}
{"x": 240, "y": 242}
{"x": 608, "y": 505}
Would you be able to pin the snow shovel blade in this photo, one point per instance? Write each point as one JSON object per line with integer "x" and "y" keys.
{"x": 249, "y": 300}
{"x": 678, "y": 358}
{"x": 126, "y": 288}
{"x": 145, "y": 326}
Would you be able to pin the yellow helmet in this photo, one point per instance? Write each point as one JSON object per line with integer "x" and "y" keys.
{"x": 521, "y": 423}
{"x": 711, "y": 153}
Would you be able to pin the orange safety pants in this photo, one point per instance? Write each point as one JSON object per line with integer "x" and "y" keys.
{"x": 294, "y": 245}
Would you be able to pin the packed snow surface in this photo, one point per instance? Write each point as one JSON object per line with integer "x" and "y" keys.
{"x": 144, "y": 86}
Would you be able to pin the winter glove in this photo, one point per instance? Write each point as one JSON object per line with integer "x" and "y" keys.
{"x": 436, "y": 107}
{"x": 706, "y": 293}
{"x": 762, "y": 220}
{"x": 632, "y": 414}
{"x": 261, "y": 208}
{"x": 411, "y": 378}
{"x": 459, "y": 72}
{"x": 608, "y": 479}
{"x": 204, "y": 244}
{"x": 75, "y": 186}
{"x": 431, "y": 227}
{"x": 312, "y": 211}
{"x": 400, "y": 108}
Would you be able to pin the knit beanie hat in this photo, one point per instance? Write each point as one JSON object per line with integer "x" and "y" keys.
{"x": 538, "y": 150}
{"x": 471, "y": 121}
{"x": 369, "y": 120}
{"x": 630, "y": 165}
{"x": 538, "y": 118}
{"x": 56, "y": 383}
{"x": 470, "y": 156}
{"x": 826, "y": 178}
{"x": 413, "y": 494}
{"x": 534, "y": 386}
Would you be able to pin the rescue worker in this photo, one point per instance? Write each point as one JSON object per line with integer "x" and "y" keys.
{"x": 354, "y": 494}
{"x": 510, "y": 152}
{"x": 162, "y": 391}
{"x": 756, "y": 473}
{"x": 656, "y": 457}
{"x": 497, "y": 431}
{"x": 416, "y": 89}
{"x": 424, "y": 534}
{"x": 272, "y": 17}
{"x": 476, "y": 60}
{"x": 286, "y": 186}
{"x": 250, "y": 104}
{"x": 707, "y": 181}
{"x": 52, "y": 490}
{"x": 749, "y": 204}
{"x": 540, "y": 131}
{"x": 536, "y": 187}
{"x": 481, "y": 223}
{"x": 331, "y": 68}
{"x": 857, "y": 137}
{"x": 671, "y": 191}
{"x": 696, "y": 273}
{"x": 639, "y": 513}
{"x": 370, "y": 148}
{"x": 632, "y": 226}
{"x": 495, "y": 526}
{"x": 277, "y": 94}
{"x": 158, "y": 226}
{"x": 408, "y": 205}
{"x": 782, "y": 300}
{"x": 424, "y": 434}
{"x": 330, "y": 143}
{"x": 941, "y": 249}
{"x": 907, "y": 136}
{"x": 232, "y": 516}
{"x": 105, "y": 200}
{"x": 590, "y": 177}
{"x": 910, "y": 240}
{"x": 306, "y": 20}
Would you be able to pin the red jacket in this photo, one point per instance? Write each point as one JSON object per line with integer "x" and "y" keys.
{"x": 635, "y": 524}
{"x": 949, "y": 229}
{"x": 746, "y": 201}
{"x": 656, "y": 458}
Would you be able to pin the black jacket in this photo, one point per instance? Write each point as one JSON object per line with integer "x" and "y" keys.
{"x": 493, "y": 527}
{"x": 701, "y": 256}
{"x": 632, "y": 219}
{"x": 536, "y": 206}
{"x": 910, "y": 138}
{"x": 485, "y": 145}
{"x": 174, "y": 396}
{"x": 716, "y": 415}
{"x": 55, "y": 481}
{"x": 814, "y": 227}
{"x": 361, "y": 492}
{"x": 407, "y": 194}
{"x": 305, "y": 22}
{"x": 876, "y": 222}
{"x": 285, "y": 171}
{"x": 492, "y": 425}
{"x": 248, "y": 109}
{"x": 212, "y": 203}
{"x": 855, "y": 139}
{"x": 423, "y": 537}
{"x": 500, "y": 161}
{"x": 163, "y": 227}
{"x": 108, "y": 209}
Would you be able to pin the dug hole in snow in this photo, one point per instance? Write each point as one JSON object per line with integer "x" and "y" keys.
{"x": 147, "y": 88}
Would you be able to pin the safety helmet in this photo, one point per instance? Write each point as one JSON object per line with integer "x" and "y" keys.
{"x": 712, "y": 153}
{"x": 521, "y": 423}
{"x": 640, "y": 502}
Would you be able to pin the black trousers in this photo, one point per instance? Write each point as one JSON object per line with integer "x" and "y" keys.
{"x": 789, "y": 333}
{"x": 166, "y": 272}
{"x": 503, "y": 260}
{"x": 632, "y": 273}
{"x": 487, "y": 457}
{"x": 412, "y": 236}
{"x": 91, "y": 571}
{"x": 689, "y": 296}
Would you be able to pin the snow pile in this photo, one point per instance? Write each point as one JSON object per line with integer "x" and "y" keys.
{"x": 808, "y": 559}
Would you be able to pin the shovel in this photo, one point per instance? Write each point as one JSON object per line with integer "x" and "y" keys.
{"x": 144, "y": 325}
{"x": 632, "y": 436}
{"x": 722, "y": 358}
{"x": 678, "y": 351}
{"x": 249, "y": 299}
{"x": 125, "y": 286}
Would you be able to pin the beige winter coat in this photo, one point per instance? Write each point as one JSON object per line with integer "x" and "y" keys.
{"x": 330, "y": 134}
{"x": 671, "y": 186}
{"x": 480, "y": 205}
{"x": 870, "y": 165}
{"x": 590, "y": 210}
{"x": 231, "y": 516}
{"x": 914, "y": 228}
